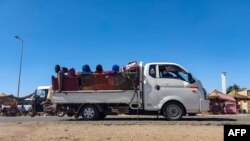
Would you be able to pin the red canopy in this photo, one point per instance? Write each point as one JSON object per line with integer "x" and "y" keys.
{"x": 224, "y": 97}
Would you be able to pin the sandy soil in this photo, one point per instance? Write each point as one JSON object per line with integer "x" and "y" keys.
{"x": 88, "y": 132}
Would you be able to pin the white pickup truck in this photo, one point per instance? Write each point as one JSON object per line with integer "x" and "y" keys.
{"x": 164, "y": 88}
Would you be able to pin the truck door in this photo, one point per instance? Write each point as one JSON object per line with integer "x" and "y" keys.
{"x": 150, "y": 91}
{"x": 40, "y": 97}
{"x": 172, "y": 83}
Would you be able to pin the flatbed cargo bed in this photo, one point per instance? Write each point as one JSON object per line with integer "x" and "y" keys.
{"x": 94, "y": 96}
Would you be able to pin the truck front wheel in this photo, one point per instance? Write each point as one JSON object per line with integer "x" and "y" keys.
{"x": 90, "y": 112}
{"x": 173, "y": 111}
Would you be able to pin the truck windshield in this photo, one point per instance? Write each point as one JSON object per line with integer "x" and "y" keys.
{"x": 42, "y": 93}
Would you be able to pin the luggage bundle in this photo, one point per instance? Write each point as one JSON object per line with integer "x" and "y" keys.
{"x": 132, "y": 72}
{"x": 69, "y": 80}
{"x": 106, "y": 81}
{"x": 66, "y": 80}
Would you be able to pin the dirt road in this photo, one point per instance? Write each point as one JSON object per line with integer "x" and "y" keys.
{"x": 61, "y": 132}
{"x": 201, "y": 128}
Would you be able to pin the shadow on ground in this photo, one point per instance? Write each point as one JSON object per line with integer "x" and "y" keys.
{"x": 193, "y": 119}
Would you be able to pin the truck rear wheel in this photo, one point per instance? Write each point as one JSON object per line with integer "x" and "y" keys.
{"x": 173, "y": 111}
{"x": 90, "y": 112}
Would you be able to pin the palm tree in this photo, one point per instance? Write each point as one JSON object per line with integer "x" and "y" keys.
{"x": 234, "y": 87}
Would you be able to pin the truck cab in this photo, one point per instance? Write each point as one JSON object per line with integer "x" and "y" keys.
{"x": 40, "y": 100}
{"x": 169, "y": 87}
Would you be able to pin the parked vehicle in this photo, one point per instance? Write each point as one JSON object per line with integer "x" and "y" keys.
{"x": 33, "y": 104}
{"x": 40, "y": 103}
{"x": 8, "y": 104}
{"x": 159, "y": 88}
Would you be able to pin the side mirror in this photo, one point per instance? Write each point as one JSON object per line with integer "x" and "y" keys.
{"x": 190, "y": 78}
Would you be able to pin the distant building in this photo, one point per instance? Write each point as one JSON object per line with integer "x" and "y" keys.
{"x": 222, "y": 103}
{"x": 243, "y": 100}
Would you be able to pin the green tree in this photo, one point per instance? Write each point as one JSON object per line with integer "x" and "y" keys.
{"x": 234, "y": 87}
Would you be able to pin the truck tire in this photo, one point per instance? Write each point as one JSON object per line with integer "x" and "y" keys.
{"x": 90, "y": 112}
{"x": 173, "y": 111}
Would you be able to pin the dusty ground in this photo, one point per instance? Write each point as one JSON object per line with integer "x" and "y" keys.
{"x": 121, "y": 128}
{"x": 61, "y": 132}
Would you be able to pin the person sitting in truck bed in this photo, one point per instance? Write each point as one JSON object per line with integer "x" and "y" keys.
{"x": 57, "y": 68}
{"x": 86, "y": 78}
{"x": 65, "y": 70}
{"x": 115, "y": 69}
{"x": 86, "y": 70}
{"x": 99, "y": 69}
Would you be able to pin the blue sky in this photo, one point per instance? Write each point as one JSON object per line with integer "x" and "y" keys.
{"x": 206, "y": 37}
